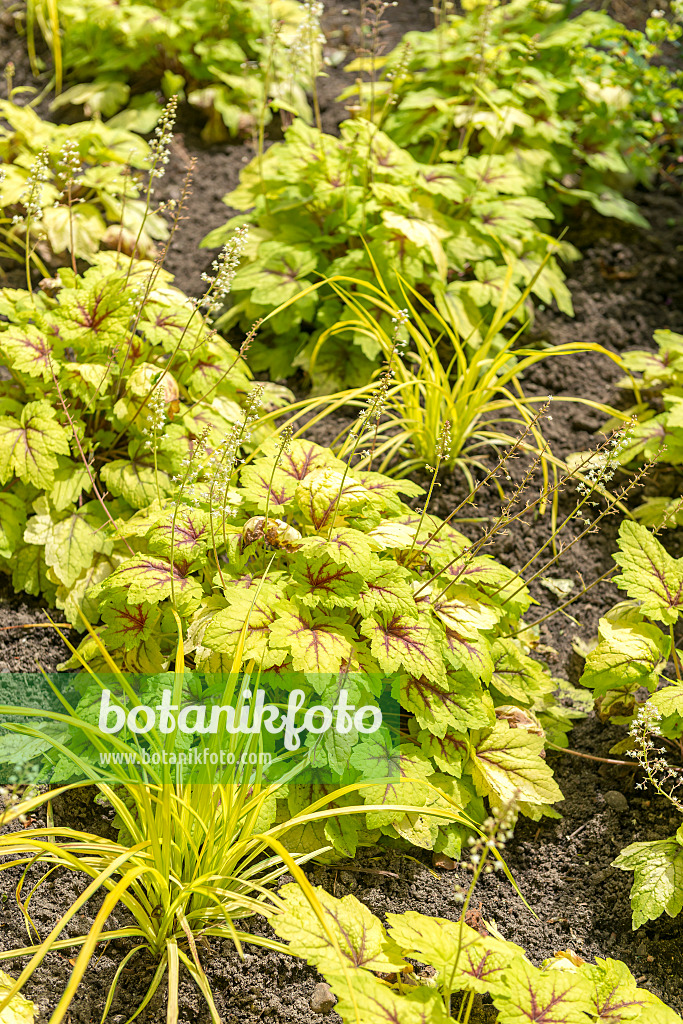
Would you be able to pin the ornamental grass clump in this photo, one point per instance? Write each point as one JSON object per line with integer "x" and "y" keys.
{"x": 194, "y": 855}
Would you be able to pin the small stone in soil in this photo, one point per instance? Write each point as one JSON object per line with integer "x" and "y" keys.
{"x": 616, "y": 800}
{"x": 323, "y": 998}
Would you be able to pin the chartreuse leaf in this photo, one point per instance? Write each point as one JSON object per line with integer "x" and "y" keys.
{"x": 12, "y": 520}
{"x": 649, "y": 573}
{"x": 361, "y": 939}
{"x": 629, "y": 654}
{"x": 28, "y": 350}
{"x": 516, "y": 675}
{"x": 152, "y": 579}
{"x": 402, "y": 642}
{"x": 29, "y": 448}
{"x": 387, "y": 589}
{"x": 658, "y": 883}
{"x": 303, "y": 458}
{"x": 19, "y": 1010}
{"x": 372, "y": 1002}
{"x": 463, "y": 958}
{"x": 317, "y": 642}
{"x": 224, "y": 625}
{"x": 669, "y": 700}
{"x": 616, "y": 996}
{"x": 327, "y": 495}
{"x": 320, "y": 581}
{"x": 136, "y": 480}
{"x": 507, "y": 762}
{"x": 533, "y": 996}
{"x": 457, "y": 704}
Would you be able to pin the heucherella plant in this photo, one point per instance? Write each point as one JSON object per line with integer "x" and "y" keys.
{"x": 371, "y": 969}
{"x": 231, "y": 60}
{"x": 635, "y": 651}
{"x": 657, "y": 435}
{"x": 339, "y": 578}
{"x": 75, "y": 189}
{"x": 115, "y": 381}
{"x": 577, "y": 105}
{"x": 359, "y": 205}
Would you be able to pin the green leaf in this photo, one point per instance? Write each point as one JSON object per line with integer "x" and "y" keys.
{"x": 278, "y": 274}
{"x": 30, "y": 448}
{"x": 508, "y": 763}
{"x": 359, "y": 935}
{"x": 649, "y": 574}
{"x": 16, "y": 748}
{"x": 658, "y": 883}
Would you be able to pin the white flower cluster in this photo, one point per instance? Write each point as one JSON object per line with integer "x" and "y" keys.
{"x": 400, "y": 320}
{"x": 224, "y": 267}
{"x": 32, "y": 196}
{"x": 157, "y": 417}
{"x": 309, "y": 35}
{"x": 225, "y": 457}
{"x": 644, "y": 729}
{"x": 68, "y": 163}
{"x": 160, "y": 151}
{"x": 604, "y": 463}
{"x": 443, "y": 444}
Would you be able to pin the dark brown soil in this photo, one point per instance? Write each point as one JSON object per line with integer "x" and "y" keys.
{"x": 627, "y": 286}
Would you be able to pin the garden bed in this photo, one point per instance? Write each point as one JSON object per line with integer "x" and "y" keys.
{"x": 627, "y": 285}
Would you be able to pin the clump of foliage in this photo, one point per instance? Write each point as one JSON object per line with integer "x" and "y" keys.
{"x": 192, "y": 859}
{"x": 100, "y": 365}
{"x": 371, "y": 969}
{"x": 575, "y": 104}
{"x": 636, "y": 651}
{"x": 338, "y": 578}
{"x": 322, "y": 205}
{"x": 453, "y": 169}
{"x": 72, "y": 187}
{"x": 230, "y": 59}
{"x": 657, "y": 433}
{"x": 444, "y": 402}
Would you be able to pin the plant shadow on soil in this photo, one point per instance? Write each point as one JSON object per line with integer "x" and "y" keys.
{"x": 627, "y": 286}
